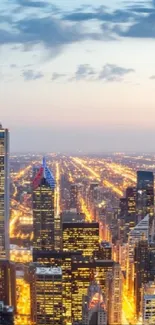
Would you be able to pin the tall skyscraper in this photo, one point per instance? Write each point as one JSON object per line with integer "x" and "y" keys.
{"x": 145, "y": 195}
{"x": 142, "y": 272}
{"x": 7, "y": 283}
{"x": 4, "y": 193}
{"x": 43, "y": 209}
{"x": 131, "y": 196}
{"x": 46, "y": 296}
{"x": 81, "y": 236}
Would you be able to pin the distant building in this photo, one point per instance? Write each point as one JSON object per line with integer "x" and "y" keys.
{"x": 43, "y": 209}
{"x": 131, "y": 197}
{"x": 145, "y": 196}
{"x": 75, "y": 192}
{"x": 4, "y": 193}
{"x": 94, "y": 307}
{"x": 81, "y": 236}
{"x": 6, "y": 314}
{"x": 46, "y": 296}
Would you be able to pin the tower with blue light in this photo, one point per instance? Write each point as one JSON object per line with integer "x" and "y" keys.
{"x": 43, "y": 209}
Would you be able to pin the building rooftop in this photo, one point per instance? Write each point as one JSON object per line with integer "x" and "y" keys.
{"x": 48, "y": 271}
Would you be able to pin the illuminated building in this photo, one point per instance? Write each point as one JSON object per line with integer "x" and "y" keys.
{"x": 131, "y": 196}
{"x": 94, "y": 307}
{"x": 114, "y": 295}
{"x": 4, "y": 193}
{"x": 141, "y": 263}
{"x": 83, "y": 272}
{"x": 7, "y": 283}
{"x": 6, "y": 314}
{"x": 105, "y": 251}
{"x": 148, "y": 305}
{"x": 145, "y": 196}
{"x": 43, "y": 209}
{"x": 75, "y": 192}
{"x": 46, "y": 296}
{"x": 81, "y": 236}
{"x": 135, "y": 235}
{"x": 63, "y": 260}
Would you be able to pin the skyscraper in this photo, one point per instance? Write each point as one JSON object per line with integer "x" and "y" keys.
{"x": 46, "y": 296}
{"x": 4, "y": 193}
{"x": 145, "y": 193}
{"x": 81, "y": 236}
{"x": 142, "y": 271}
{"x": 43, "y": 209}
{"x": 130, "y": 219}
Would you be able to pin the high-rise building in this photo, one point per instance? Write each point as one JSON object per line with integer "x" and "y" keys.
{"x": 145, "y": 195}
{"x": 4, "y": 193}
{"x": 94, "y": 306}
{"x": 142, "y": 272}
{"x": 114, "y": 295}
{"x": 63, "y": 260}
{"x": 81, "y": 236}
{"x": 135, "y": 235}
{"x": 6, "y": 314}
{"x": 131, "y": 196}
{"x": 46, "y": 296}
{"x": 7, "y": 283}
{"x": 83, "y": 272}
{"x": 43, "y": 209}
{"x": 148, "y": 304}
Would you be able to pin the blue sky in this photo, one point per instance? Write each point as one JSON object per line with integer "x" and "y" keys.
{"x": 78, "y": 74}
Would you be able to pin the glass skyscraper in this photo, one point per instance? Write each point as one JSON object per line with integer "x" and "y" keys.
{"x": 43, "y": 209}
{"x": 4, "y": 193}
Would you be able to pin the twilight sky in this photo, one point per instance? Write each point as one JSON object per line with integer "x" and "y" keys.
{"x": 78, "y": 75}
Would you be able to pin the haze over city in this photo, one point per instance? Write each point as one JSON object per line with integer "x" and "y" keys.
{"x": 78, "y": 75}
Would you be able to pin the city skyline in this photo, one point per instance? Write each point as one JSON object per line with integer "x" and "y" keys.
{"x": 86, "y": 84}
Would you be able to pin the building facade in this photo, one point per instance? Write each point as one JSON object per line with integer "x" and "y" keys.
{"x": 4, "y": 193}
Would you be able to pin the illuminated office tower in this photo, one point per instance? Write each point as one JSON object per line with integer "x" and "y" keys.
{"x": 145, "y": 196}
{"x": 140, "y": 231}
{"x": 43, "y": 209}
{"x": 46, "y": 296}
{"x": 142, "y": 272}
{"x": 148, "y": 305}
{"x": 63, "y": 260}
{"x": 131, "y": 196}
{"x": 81, "y": 236}
{"x": 114, "y": 295}
{"x": 4, "y": 193}
{"x": 83, "y": 272}
{"x": 94, "y": 307}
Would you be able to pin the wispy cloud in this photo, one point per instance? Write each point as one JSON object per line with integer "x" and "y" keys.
{"x": 30, "y": 75}
{"x": 112, "y": 72}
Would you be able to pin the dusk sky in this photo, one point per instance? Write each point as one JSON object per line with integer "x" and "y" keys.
{"x": 78, "y": 74}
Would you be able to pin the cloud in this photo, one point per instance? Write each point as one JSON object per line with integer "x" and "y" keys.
{"x": 152, "y": 77}
{"x": 84, "y": 71}
{"x": 112, "y": 72}
{"x": 31, "y": 75}
{"x": 32, "y": 4}
{"x": 115, "y": 17}
{"x": 56, "y": 76}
